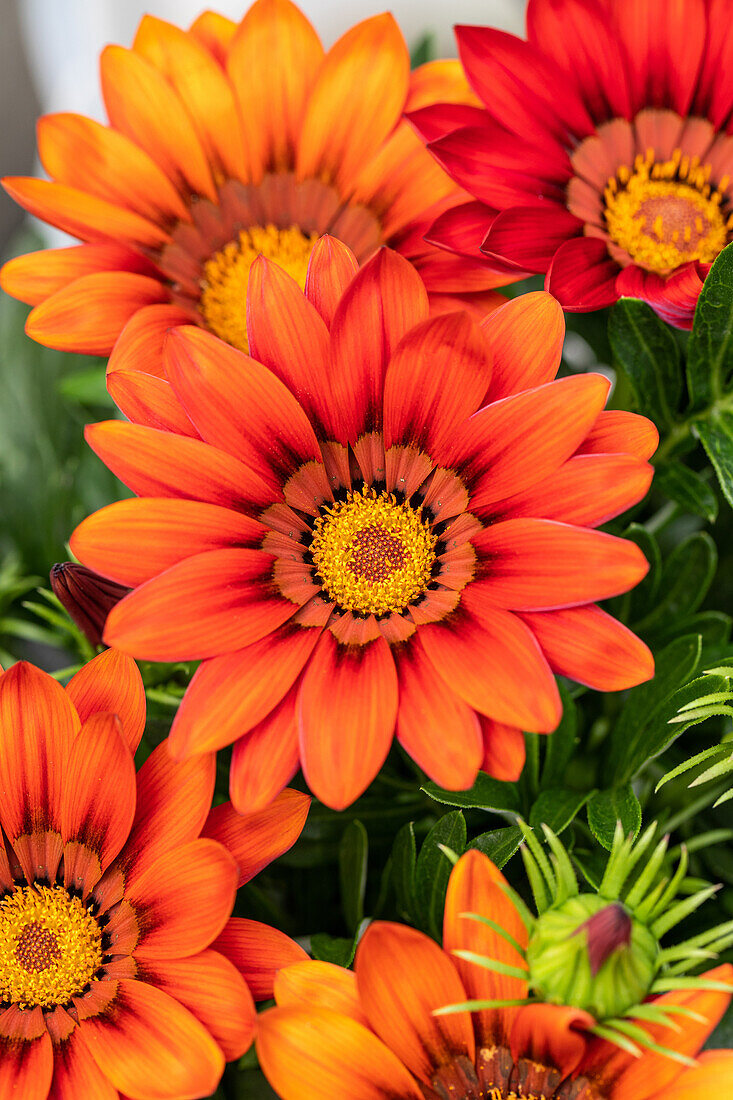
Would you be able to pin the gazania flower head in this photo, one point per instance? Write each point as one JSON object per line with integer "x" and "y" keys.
{"x": 225, "y": 142}
{"x": 380, "y": 523}
{"x": 602, "y": 154}
{"x": 381, "y": 1032}
{"x": 119, "y": 967}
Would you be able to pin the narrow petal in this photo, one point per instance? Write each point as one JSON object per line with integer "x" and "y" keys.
{"x": 37, "y": 275}
{"x": 266, "y": 759}
{"x": 259, "y": 952}
{"x": 526, "y": 337}
{"x": 256, "y": 839}
{"x": 504, "y": 750}
{"x": 313, "y": 982}
{"x": 26, "y": 1054}
{"x": 75, "y": 1073}
{"x": 347, "y": 709}
{"x": 140, "y": 344}
{"x": 111, "y": 683}
{"x": 664, "y": 44}
{"x": 147, "y": 400}
{"x": 529, "y": 236}
{"x": 331, "y": 267}
{"x": 215, "y": 32}
{"x": 582, "y": 275}
{"x": 619, "y": 432}
{"x": 152, "y": 1048}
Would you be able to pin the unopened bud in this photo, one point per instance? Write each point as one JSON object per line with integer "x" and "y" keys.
{"x": 606, "y": 931}
{"x": 87, "y": 597}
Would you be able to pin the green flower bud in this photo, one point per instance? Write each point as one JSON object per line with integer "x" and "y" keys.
{"x": 592, "y": 954}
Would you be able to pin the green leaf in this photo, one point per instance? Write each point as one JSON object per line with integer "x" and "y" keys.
{"x": 499, "y": 844}
{"x": 87, "y": 387}
{"x": 716, "y": 434}
{"x": 646, "y": 349}
{"x": 710, "y": 348}
{"x": 353, "y": 853}
{"x": 404, "y": 858}
{"x": 607, "y": 807}
{"x": 688, "y": 489}
{"x": 687, "y": 575}
{"x": 557, "y": 808}
{"x": 485, "y": 794}
{"x": 424, "y": 50}
{"x": 433, "y": 870}
{"x": 560, "y": 746}
{"x": 333, "y": 949}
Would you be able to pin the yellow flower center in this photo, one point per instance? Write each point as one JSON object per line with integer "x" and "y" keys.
{"x": 665, "y": 214}
{"x": 50, "y": 947}
{"x": 372, "y": 554}
{"x": 223, "y": 301}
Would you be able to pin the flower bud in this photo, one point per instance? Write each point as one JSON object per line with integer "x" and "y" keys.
{"x": 87, "y": 597}
{"x": 593, "y": 955}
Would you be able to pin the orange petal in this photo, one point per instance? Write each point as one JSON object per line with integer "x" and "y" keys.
{"x": 258, "y": 952}
{"x": 587, "y": 645}
{"x": 441, "y": 81}
{"x": 173, "y": 802}
{"x": 402, "y": 977}
{"x": 89, "y": 314}
{"x": 26, "y": 1054}
{"x": 183, "y": 899}
{"x": 141, "y": 104}
{"x": 712, "y": 1076}
{"x": 272, "y": 62}
{"x": 160, "y": 533}
{"x": 140, "y": 345}
{"x": 111, "y": 683}
{"x": 231, "y": 694}
{"x": 229, "y": 603}
{"x": 147, "y": 400}
{"x": 82, "y": 215}
{"x": 75, "y": 1073}
{"x": 266, "y": 759}
{"x": 504, "y": 750}
{"x": 203, "y": 89}
{"x": 210, "y": 987}
{"x": 551, "y": 1035}
{"x": 428, "y": 709}
{"x": 475, "y": 887}
{"x": 82, "y": 153}
{"x": 331, "y": 267}
{"x": 526, "y": 337}
{"x": 215, "y": 32}
{"x": 357, "y": 100}
{"x": 347, "y": 709}
{"x": 616, "y": 431}
{"x": 317, "y": 1054}
{"x": 258, "y": 838}
{"x": 313, "y": 982}
{"x": 151, "y": 1047}
{"x": 37, "y": 275}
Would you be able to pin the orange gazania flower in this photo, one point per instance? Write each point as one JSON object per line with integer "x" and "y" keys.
{"x": 385, "y": 528}
{"x": 602, "y": 154}
{"x": 373, "y": 1035}
{"x": 113, "y": 891}
{"x": 224, "y": 142}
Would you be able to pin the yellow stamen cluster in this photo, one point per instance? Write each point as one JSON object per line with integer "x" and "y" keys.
{"x": 372, "y": 554}
{"x": 223, "y": 301}
{"x": 50, "y": 947}
{"x": 498, "y": 1094}
{"x": 665, "y": 214}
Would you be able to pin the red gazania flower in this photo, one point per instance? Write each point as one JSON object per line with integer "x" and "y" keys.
{"x": 227, "y": 141}
{"x": 372, "y": 1035}
{"x": 120, "y": 971}
{"x": 382, "y": 528}
{"x": 603, "y": 152}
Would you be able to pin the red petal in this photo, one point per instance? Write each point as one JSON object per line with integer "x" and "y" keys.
{"x": 526, "y": 337}
{"x": 504, "y": 750}
{"x": 26, "y": 1054}
{"x": 266, "y": 759}
{"x": 331, "y": 267}
{"x": 529, "y": 236}
{"x": 256, "y": 839}
{"x": 551, "y": 1035}
{"x": 111, "y": 683}
{"x": 616, "y": 431}
{"x": 664, "y": 43}
{"x": 75, "y": 1073}
{"x": 258, "y": 952}
{"x": 140, "y": 345}
{"x": 582, "y": 275}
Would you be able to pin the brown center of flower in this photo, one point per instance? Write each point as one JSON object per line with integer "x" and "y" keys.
{"x": 50, "y": 946}
{"x": 496, "y": 1076}
{"x": 664, "y": 214}
{"x": 223, "y": 301}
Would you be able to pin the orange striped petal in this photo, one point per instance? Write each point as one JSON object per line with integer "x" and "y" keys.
{"x": 587, "y": 645}
{"x": 161, "y": 532}
{"x": 211, "y": 988}
{"x": 141, "y": 104}
{"x": 272, "y": 62}
{"x": 159, "y": 464}
{"x": 26, "y": 1054}
{"x": 256, "y": 839}
{"x": 229, "y": 602}
{"x": 183, "y": 899}
{"x": 402, "y": 977}
{"x": 712, "y": 1076}
{"x": 504, "y": 750}
{"x": 347, "y": 707}
{"x": 259, "y": 952}
{"x": 215, "y": 32}
{"x": 317, "y": 1054}
{"x": 151, "y": 1047}
{"x": 147, "y": 400}
{"x": 551, "y": 1035}
{"x": 173, "y": 802}
{"x": 266, "y": 759}
{"x": 81, "y": 214}
{"x": 440, "y": 81}
{"x": 331, "y": 267}
{"x": 475, "y": 886}
{"x": 89, "y": 314}
{"x": 111, "y": 683}
{"x": 313, "y": 982}
{"x": 140, "y": 345}
{"x": 428, "y": 708}
{"x": 617, "y": 431}
{"x": 82, "y": 153}
{"x": 75, "y": 1073}
{"x": 203, "y": 89}
{"x": 342, "y": 129}
{"x": 231, "y": 694}
{"x": 526, "y": 337}
{"x": 537, "y": 564}
{"x": 37, "y": 275}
